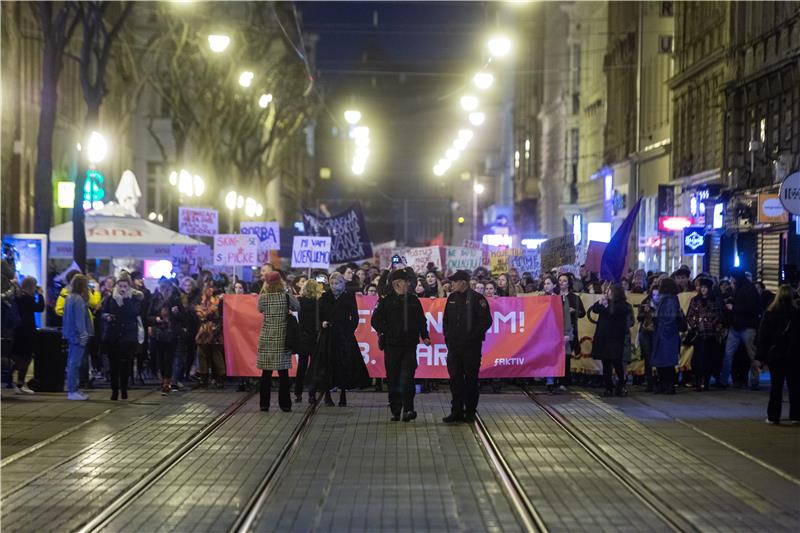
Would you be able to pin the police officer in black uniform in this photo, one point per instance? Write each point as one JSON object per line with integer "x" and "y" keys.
{"x": 466, "y": 320}
{"x": 400, "y": 323}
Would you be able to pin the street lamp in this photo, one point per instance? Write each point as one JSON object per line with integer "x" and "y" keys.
{"x": 352, "y": 116}
{"x": 218, "y": 43}
{"x": 460, "y": 144}
{"x": 265, "y": 100}
{"x": 97, "y": 148}
{"x": 230, "y": 200}
{"x": 438, "y": 170}
{"x": 479, "y": 188}
{"x": 477, "y": 118}
{"x": 483, "y": 80}
{"x": 469, "y": 102}
{"x": 246, "y": 78}
{"x": 499, "y": 46}
{"x": 452, "y": 154}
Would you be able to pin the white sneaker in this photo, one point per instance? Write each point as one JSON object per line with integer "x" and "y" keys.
{"x": 17, "y": 390}
{"x": 77, "y": 396}
{"x": 562, "y": 388}
{"x": 26, "y": 390}
{"x": 770, "y": 422}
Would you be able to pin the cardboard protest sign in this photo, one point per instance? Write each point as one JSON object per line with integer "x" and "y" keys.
{"x": 557, "y": 252}
{"x": 269, "y": 236}
{"x": 469, "y": 243}
{"x": 498, "y": 259}
{"x": 418, "y": 258}
{"x": 235, "y": 250}
{"x": 311, "y": 252}
{"x": 197, "y": 221}
{"x": 462, "y": 258}
{"x": 191, "y": 257}
{"x": 528, "y": 262}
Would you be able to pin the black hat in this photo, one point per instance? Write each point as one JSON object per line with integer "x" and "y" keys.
{"x": 460, "y": 275}
{"x": 398, "y": 274}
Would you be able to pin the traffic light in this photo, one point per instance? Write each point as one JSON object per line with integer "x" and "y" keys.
{"x": 460, "y": 220}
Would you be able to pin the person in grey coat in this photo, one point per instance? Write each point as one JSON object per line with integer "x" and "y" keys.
{"x": 273, "y": 303}
{"x": 669, "y": 323}
{"x": 77, "y": 329}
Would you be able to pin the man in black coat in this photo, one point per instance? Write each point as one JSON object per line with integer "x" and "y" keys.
{"x": 400, "y": 323}
{"x": 744, "y": 310}
{"x": 466, "y": 319}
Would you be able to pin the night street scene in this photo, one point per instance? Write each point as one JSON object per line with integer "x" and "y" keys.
{"x": 410, "y": 266}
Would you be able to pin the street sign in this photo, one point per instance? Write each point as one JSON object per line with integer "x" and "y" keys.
{"x": 694, "y": 242}
{"x": 790, "y": 193}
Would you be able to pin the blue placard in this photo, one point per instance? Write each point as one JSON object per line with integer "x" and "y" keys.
{"x": 694, "y": 240}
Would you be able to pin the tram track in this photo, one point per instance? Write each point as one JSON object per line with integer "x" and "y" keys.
{"x": 129, "y": 495}
{"x": 660, "y": 508}
{"x": 526, "y": 511}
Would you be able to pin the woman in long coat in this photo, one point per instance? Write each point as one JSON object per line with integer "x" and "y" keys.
{"x": 309, "y": 330}
{"x": 669, "y": 322}
{"x": 337, "y": 360}
{"x": 614, "y": 319}
{"x": 273, "y": 303}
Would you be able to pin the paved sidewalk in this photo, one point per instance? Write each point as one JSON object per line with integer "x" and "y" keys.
{"x": 357, "y": 471}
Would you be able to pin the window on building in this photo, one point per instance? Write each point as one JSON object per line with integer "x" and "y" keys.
{"x": 762, "y": 130}
{"x": 155, "y": 179}
{"x": 665, "y": 44}
{"x": 666, "y": 9}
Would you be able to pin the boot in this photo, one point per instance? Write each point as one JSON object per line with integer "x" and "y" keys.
{"x": 328, "y": 399}
{"x": 453, "y": 417}
{"x": 343, "y": 399}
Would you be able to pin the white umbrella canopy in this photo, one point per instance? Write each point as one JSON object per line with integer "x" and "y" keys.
{"x": 116, "y": 232}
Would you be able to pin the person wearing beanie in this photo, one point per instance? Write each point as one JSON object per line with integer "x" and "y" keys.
{"x": 273, "y": 303}
{"x": 400, "y": 323}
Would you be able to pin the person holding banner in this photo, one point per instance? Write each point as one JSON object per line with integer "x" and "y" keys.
{"x": 400, "y": 323}
{"x": 466, "y": 319}
{"x": 337, "y": 360}
{"x": 614, "y": 320}
{"x": 273, "y": 303}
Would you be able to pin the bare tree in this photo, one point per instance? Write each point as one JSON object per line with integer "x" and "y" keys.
{"x": 100, "y": 30}
{"x": 57, "y": 21}
{"x": 236, "y": 137}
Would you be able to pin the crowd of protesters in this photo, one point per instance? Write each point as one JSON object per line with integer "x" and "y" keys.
{"x": 117, "y": 329}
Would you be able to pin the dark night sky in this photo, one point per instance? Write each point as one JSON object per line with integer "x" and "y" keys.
{"x": 438, "y": 45}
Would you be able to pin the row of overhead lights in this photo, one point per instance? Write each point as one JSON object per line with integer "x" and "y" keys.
{"x": 499, "y": 47}
{"x": 360, "y": 136}
{"x": 218, "y": 43}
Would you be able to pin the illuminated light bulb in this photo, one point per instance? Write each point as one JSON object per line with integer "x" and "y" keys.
{"x": 477, "y": 118}
{"x": 469, "y": 102}
{"x": 98, "y": 147}
{"x": 499, "y": 46}
{"x": 264, "y": 100}
{"x": 218, "y": 43}
{"x": 352, "y": 116}
{"x": 452, "y": 154}
{"x": 173, "y": 178}
{"x": 483, "y": 80}
{"x": 230, "y": 200}
{"x": 246, "y": 78}
{"x": 460, "y": 144}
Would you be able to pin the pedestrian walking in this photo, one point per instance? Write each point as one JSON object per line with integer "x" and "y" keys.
{"x": 78, "y": 328}
{"x": 273, "y": 303}
{"x": 337, "y": 360}
{"x": 614, "y": 318}
{"x": 211, "y": 358}
{"x": 309, "y": 323}
{"x": 744, "y": 310}
{"x": 121, "y": 315}
{"x": 704, "y": 318}
{"x": 466, "y": 319}
{"x": 779, "y": 341}
{"x": 669, "y": 324}
{"x": 400, "y": 323}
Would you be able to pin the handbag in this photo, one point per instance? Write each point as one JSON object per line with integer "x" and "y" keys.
{"x": 292, "y": 343}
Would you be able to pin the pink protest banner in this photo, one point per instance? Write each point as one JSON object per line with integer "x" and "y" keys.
{"x": 525, "y": 339}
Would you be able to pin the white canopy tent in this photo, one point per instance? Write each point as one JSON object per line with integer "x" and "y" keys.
{"x": 117, "y": 232}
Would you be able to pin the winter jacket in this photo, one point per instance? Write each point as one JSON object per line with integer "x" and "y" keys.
{"x": 121, "y": 320}
{"x": 170, "y": 327}
{"x": 746, "y": 313}
{"x": 466, "y": 318}
{"x": 78, "y": 326}
{"x": 669, "y": 322}
{"x": 779, "y": 336}
{"x": 27, "y": 305}
{"x": 613, "y": 328}
{"x": 704, "y": 316}
{"x": 400, "y": 319}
